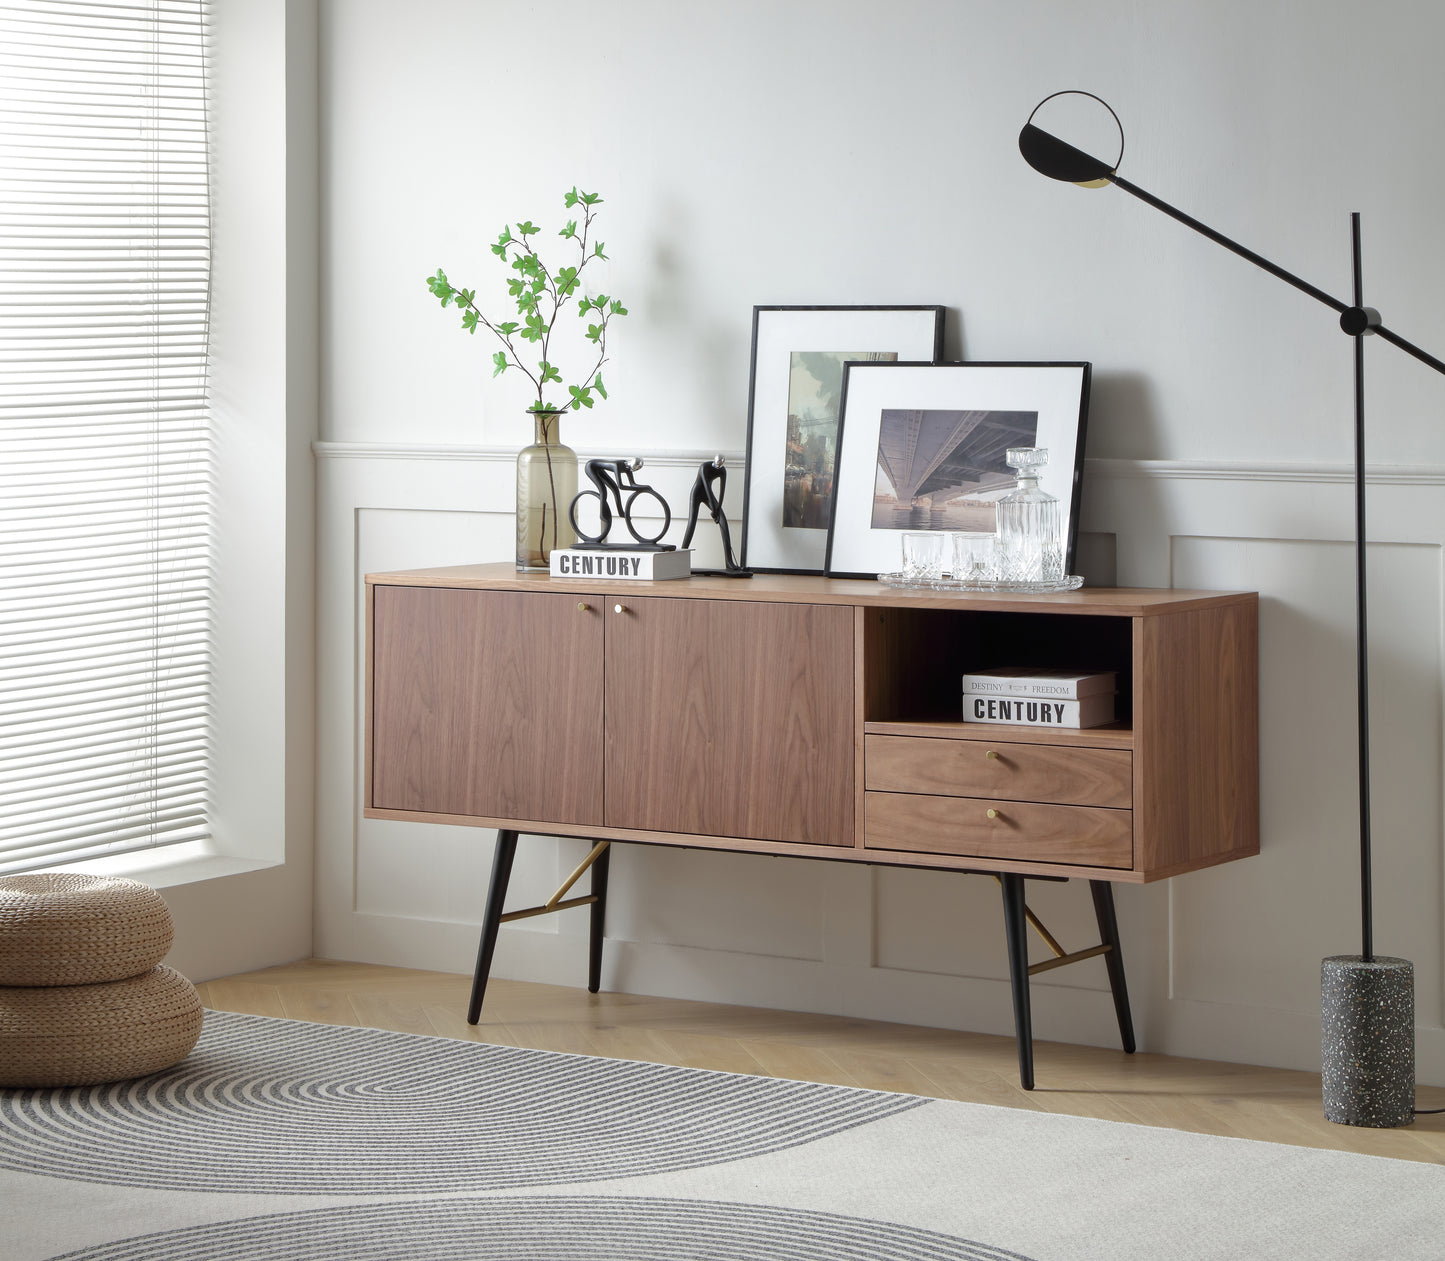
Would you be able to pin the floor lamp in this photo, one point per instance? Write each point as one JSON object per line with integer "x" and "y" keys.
{"x": 1367, "y": 1000}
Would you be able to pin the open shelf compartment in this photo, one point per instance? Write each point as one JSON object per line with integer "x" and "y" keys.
{"x": 914, "y": 661}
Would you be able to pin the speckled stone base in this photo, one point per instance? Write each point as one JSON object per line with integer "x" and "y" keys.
{"x": 1368, "y": 1040}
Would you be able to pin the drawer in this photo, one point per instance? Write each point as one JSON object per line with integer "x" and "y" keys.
{"x": 1083, "y": 836}
{"x": 1015, "y": 772}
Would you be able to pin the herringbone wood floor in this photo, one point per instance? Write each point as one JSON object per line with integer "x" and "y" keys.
{"x": 1200, "y": 1095}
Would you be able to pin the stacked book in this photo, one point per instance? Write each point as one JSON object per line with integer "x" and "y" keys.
{"x": 1029, "y": 697}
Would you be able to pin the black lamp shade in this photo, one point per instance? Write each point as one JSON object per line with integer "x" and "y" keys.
{"x": 1059, "y": 160}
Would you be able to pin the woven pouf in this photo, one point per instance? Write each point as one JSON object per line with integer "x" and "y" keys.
{"x": 81, "y": 1035}
{"x": 58, "y": 929}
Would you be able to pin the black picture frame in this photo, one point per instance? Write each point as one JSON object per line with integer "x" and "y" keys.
{"x": 1057, "y": 390}
{"x": 768, "y": 542}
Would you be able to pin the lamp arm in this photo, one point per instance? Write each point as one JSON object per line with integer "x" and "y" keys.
{"x": 1304, "y": 286}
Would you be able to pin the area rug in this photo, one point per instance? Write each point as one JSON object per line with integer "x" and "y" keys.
{"x": 278, "y": 1139}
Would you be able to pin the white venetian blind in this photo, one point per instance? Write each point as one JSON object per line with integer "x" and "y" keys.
{"x": 105, "y": 445}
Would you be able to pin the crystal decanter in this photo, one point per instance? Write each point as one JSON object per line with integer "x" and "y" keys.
{"x": 1030, "y": 526}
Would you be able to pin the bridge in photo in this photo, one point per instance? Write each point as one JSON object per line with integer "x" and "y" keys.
{"x": 938, "y": 455}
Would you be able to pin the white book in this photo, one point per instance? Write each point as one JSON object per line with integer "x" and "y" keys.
{"x": 1092, "y": 711}
{"x": 589, "y": 562}
{"x": 1064, "y": 685}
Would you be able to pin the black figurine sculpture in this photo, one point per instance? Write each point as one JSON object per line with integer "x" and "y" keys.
{"x": 711, "y": 484}
{"x": 616, "y": 477}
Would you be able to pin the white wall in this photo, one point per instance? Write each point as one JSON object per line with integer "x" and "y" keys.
{"x": 854, "y": 153}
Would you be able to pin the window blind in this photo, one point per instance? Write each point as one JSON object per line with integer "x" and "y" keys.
{"x": 105, "y": 445}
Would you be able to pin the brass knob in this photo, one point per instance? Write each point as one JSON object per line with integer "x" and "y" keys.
{"x": 582, "y": 608}
{"x": 993, "y": 814}
{"x": 619, "y": 608}
{"x": 992, "y": 754}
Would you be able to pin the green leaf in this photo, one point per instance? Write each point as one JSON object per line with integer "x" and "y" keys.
{"x": 594, "y": 331}
{"x": 507, "y": 329}
{"x": 618, "y": 308}
{"x": 570, "y": 199}
{"x": 469, "y": 321}
{"x": 584, "y": 305}
{"x": 580, "y": 397}
{"x": 500, "y": 359}
{"x": 536, "y": 327}
{"x": 527, "y": 229}
{"x": 549, "y": 373}
{"x": 439, "y": 285}
{"x": 597, "y": 251}
{"x": 600, "y": 301}
{"x": 526, "y": 300}
{"x": 570, "y": 230}
{"x": 598, "y": 386}
{"x": 590, "y": 199}
{"x": 515, "y": 286}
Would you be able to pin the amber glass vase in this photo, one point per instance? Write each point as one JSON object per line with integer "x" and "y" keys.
{"x": 546, "y": 485}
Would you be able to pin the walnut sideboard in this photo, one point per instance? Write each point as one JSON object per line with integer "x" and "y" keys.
{"x": 816, "y": 718}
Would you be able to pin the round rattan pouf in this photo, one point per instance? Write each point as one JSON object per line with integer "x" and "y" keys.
{"x": 59, "y": 929}
{"x": 81, "y": 1035}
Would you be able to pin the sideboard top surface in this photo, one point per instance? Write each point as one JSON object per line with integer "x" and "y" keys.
{"x": 811, "y": 589}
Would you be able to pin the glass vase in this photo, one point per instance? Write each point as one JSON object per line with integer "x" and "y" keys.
{"x": 546, "y": 486}
{"x": 1030, "y": 526}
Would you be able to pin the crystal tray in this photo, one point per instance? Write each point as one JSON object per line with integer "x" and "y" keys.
{"x": 1072, "y": 583}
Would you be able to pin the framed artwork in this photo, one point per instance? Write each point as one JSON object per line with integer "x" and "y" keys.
{"x": 921, "y": 447}
{"x": 795, "y": 392}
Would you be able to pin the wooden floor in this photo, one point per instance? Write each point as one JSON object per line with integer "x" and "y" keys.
{"x": 1200, "y": 1095}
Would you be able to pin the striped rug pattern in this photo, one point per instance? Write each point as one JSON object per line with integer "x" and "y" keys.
{"x": 278, "y": 1106}
{"x": 548, "y": 1228}
{"x": 283, "y": 1141}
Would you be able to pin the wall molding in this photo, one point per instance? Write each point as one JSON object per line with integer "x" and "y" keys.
{"x": 500, "y": 455}
{"x": 1159, "y": 470}
{"x": 1236, "y": 471}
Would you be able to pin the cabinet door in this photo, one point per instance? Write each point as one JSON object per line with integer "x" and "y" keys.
{"x": 731, "y": 719}
{"x": 487, "y": 703}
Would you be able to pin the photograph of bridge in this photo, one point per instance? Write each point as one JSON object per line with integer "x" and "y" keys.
{"x": 945, "y": 470}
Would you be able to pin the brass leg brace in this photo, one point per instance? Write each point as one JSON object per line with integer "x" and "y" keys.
{"x": 1061, "y": 956}
{"x": 555, "y": 902}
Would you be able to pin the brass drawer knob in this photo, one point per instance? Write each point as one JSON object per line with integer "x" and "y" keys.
{"x": 582, "y": 608}
{"x": 992, "y": 755}
{"x": 993, "y": 814}
{"x": 619, "y": 608}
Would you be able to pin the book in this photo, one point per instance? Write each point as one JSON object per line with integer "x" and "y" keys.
{"x": 614, "y": 562}
{"x": 1092, "y": 711}
{"x": 1064, "y": 685}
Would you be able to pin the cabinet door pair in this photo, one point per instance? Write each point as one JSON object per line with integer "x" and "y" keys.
{"x": 703, "y": 717}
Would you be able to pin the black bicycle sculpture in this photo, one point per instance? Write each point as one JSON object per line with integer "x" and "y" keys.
{"x": 615, "y": 478}
{"x": 712, "y": 481}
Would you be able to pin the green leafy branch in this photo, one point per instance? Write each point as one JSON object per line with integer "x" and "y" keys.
{"x": 540, "y": 296}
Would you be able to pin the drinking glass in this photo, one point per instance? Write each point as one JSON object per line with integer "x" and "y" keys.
{"x": 973, "y": 556}
{"x": 923, "y": 555}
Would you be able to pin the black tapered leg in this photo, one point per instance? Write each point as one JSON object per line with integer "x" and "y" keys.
{"x": 1103, "y": 893}
{"x": 1016, "y": 929}
{"x": 492, "y": 920}
{"x": 599, "y": 921}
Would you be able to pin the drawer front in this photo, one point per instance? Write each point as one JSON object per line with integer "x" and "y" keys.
{"x": 1014, "y": 772}
{"x": 1083, "y": 836}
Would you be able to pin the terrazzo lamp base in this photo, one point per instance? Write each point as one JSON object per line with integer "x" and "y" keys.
{"x": 1368, "y": 1040}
